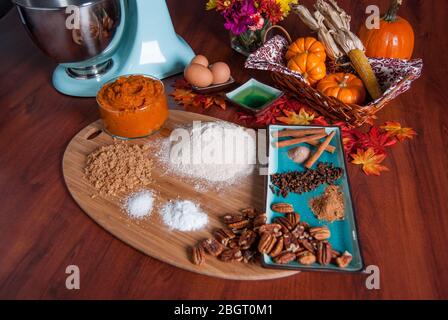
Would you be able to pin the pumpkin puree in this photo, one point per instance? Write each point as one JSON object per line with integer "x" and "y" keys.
{"x": 133, "y": 106}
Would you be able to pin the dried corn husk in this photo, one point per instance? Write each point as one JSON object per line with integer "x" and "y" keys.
{"x": 325, "y": 36}
{"x": 306, "y": 16}
{"x": 334, "y": 32}
{"x": 316, "y": 24}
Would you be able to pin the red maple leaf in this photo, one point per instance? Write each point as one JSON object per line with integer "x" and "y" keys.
{"x": 376, "y": 139}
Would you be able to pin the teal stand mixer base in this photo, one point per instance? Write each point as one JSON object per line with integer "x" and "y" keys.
{"x": 146, "y": 43}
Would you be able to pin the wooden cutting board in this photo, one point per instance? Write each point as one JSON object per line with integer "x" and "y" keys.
{"x": 150, "y": 235}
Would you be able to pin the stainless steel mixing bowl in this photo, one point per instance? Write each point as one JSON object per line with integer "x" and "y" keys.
{"x": 55, "y": 30}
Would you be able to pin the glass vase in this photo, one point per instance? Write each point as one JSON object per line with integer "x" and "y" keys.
{"x": 248, "y": 41}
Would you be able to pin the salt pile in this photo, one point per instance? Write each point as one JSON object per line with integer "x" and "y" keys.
{"x": 139, "y": 205}
{"x": 183, "y": 215}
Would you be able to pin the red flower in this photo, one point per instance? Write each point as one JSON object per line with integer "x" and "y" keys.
{"x": 271, "y": 10}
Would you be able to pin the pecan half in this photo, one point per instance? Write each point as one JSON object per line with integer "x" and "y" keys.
{"x": 223, "y": 236}
{"x": 273, "y": 228}
{"x": 232, "y": 218}
{"x": 198, "y": 255}
{"x": 293, "y": 218}
{"x": 234, "y": 243}
{"x": 249, "y": 212}
{"x": 304, "y": 224}
{"x": 247, "y": 238}
{"x": 278, "y": 248}
{"x": 212, "y": 246}
{"x": 267, "y": 242}
{"x": 324, "y": 253}
{"x": 239, "y": 224}
{"x": 344, "y": 260}
{"x": 285, "y": 223}
{"x": 291, "y": 243}
{"x": 298, "y": 231}
{"x": 260, "y": 220}
{"x": 230, "y": 255}
{"x": 249, "y": 256}
{"x": 282, "y": 207}
{"x": 285, "y": 257}
{"x": 308, "y": 245}
{"x": 335, "y": 254}
{"x": 320, "y": 233}
{"x": 306, "y": 258}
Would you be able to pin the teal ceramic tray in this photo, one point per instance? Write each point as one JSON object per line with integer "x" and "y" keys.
{"x": 343, "y": 233}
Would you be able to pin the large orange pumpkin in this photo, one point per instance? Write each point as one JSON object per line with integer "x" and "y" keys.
{"x": 306, "y": 45}
{"x": 310, "y": 66}
{"x": 394, "y": 38}
{"x": 344, "y": 86}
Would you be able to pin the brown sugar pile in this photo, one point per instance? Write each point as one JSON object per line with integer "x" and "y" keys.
{"x": 330, "y": 206}
{"x": 118, "y": 168}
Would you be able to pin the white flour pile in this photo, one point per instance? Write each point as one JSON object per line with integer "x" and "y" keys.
{"x": 183, "y": 215}
{"x": 217, "y": 152}
{"x": 139, "y": 205}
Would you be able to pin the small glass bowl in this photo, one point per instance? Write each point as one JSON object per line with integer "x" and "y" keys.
{"x": 126, "y": 121}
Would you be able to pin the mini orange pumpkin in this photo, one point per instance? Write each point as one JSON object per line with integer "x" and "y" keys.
{"x": 346, "y": 87}
{"x": 310, "y": 66}
{"x": 394, "y": 38}
{"x": 306, "y": 45}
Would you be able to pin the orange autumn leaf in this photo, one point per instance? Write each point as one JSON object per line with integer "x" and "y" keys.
{"x": 181, "y": 95}
{"x": 303, "y": 118}
{"x": 187, "y": 97}
{"x": 221, "y": 102}
{"x": 396, "y": 130}
{"x": 370, "y": 161}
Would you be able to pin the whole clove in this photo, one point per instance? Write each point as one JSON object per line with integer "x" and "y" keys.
{"x": 305, "y": 181}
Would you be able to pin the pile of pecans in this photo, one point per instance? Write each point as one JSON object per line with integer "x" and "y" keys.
{"x": 285, "y": 240}
{"x": 305, "y": 181}
{"x": 237, "y": 242}
{"x": 288, "y": 239}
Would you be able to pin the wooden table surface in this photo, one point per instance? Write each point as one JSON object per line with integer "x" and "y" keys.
{"x": 402, "y": 215}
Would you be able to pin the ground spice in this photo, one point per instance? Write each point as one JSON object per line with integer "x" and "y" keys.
{"x": 118, "y": 168}
{"x": 330, "y": 206}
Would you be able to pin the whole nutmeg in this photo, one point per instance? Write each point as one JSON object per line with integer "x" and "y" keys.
{"x": 299, "y": 154}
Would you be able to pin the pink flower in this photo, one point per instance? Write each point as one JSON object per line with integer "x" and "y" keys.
{"x": 257, "y": 22}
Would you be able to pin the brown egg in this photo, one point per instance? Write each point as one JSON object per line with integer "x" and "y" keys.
{"x": 221, "y": 72}
{"x": 198, "y": 75}
{"x": 200, "y": 59}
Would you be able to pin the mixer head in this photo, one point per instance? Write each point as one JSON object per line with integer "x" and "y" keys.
{"x": 96, "y": 40}
{"x": 74, "y": 34}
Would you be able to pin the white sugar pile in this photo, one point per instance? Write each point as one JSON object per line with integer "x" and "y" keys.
{"x": 183, "y": 215}
{"x": 217, "y": 152}
{"x": 139, "y": 205}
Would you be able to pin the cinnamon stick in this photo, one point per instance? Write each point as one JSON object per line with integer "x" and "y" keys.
{"x": 329, "y": 148}
{"x": 312, "y": 160}
{"x": 297, "y": 133}
{"x": 306, "y": 139}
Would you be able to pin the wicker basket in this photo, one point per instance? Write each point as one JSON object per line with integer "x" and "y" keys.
{"x": 331, "y": 107}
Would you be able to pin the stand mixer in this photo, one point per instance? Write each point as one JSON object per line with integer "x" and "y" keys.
{"x": 95, "y": 41}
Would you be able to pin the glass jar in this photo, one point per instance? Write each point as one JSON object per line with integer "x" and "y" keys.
{"x": 249, "y": 41}
{"x": 133, "y": 106}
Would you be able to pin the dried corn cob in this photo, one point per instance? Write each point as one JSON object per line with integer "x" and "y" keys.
{"x": 362, "y": 66}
